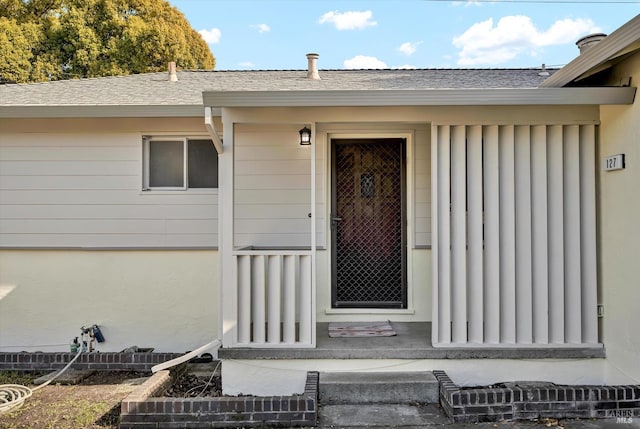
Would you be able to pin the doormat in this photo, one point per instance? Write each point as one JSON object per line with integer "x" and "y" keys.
{"x": 361, "y": 329}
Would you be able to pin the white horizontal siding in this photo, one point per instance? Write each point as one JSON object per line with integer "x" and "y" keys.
{"x": 423, "y": 210}
{"x": 107, "y": 197}
{"x": 106, "y": 226}
{"x": 108, "y": 211}
{"x": 274, "y": 225}
{"x": 274, "y": 240}
{"x": 282, "y": 211}
{"x": 272, "y": 181}
{"x": 79, "y": 153}
{"x": 422, "y": 186}
{"x": 293, "y": 152}
{"x": 61, "y": 140}
{"x": 70, "y": 168}
{"x": 84, "y": 190}
{"x": 93, "y": 240}
{"x": 272, "y": 196}
{"x": 50, "y": 182}
{"x": 423, "y": 181}
{"x": 276, "y": 181}
{"x": 423, "y": 198}
{"x": 81, "y": 226}
{"x": 288, "y": 167}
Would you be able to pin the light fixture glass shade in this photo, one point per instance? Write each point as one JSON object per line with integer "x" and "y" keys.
{"x": 305, "y": 136}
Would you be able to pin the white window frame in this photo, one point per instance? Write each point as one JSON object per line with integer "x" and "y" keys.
{"x": 146, "y": 142}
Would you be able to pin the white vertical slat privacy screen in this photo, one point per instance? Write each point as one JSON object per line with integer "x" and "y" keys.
{"x": 275, "y": 305}
{"x": 514, "y": 234}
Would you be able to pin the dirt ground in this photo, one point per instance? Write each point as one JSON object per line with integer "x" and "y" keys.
{"x": 93, "y": 404}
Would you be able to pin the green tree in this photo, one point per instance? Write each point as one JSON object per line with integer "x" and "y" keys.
{"x": 16, "y": 48}
{"x": 59, "y": 39}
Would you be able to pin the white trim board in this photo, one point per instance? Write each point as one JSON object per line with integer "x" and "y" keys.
{"x": 424, "y": 97}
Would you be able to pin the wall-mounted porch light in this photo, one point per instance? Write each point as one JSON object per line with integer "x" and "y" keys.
{"x": 305, "y": 136}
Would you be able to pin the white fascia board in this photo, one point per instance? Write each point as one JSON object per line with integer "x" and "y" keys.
{"x": 429, "y": 97}
{"x": 104, "y": 111}
{"x": 596, "y": 55}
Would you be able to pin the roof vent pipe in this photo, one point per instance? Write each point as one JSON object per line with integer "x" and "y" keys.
{"x": 589, "y": 41}
{"x": 173, "y": 76}
{"x": 543, "y": 71}
{"x": 312, "y": 68}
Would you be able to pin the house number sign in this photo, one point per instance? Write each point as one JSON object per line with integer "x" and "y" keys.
{"x": 614, "y": 162}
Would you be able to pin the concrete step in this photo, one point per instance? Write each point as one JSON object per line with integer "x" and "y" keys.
{"x": 378, "y": 387}
{"x": 381, "y": 416}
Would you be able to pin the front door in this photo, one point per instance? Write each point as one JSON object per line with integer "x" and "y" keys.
{"x": 368, "y": 223}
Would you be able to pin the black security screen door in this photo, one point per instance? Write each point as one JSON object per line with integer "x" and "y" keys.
{"x": 368, "y": 233}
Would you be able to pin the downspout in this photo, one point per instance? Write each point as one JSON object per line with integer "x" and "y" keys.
{"x": 217, "y": 343}
{"x": 213, "y": 345}
{"x": 211, "y": 128}
{"x": 225, "y": 182}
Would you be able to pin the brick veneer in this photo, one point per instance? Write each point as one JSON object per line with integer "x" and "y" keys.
{"x": 517, "y": 401}
{"x": 142, "y": 362}
{"x": 143, "y": 409}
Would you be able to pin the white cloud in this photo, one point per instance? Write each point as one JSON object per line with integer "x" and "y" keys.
{"x": 364, "y": 62}
{"x": 409, "y": 48}
{"x": 484, "y": 43}
{"x": 567, "y": 31}
{"x": 350, "y": 20}
{"x": 211, "y": 36}
{"x": 262, "y": 28}
{"x": 466, "y": 3}
{"x": 246, "y": 64}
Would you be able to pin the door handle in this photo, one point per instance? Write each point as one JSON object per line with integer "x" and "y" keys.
{"x": 335, "y": 220}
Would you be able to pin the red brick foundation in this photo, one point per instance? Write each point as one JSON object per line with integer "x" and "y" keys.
{"x": 144, "y": 409}
{"x": 519, "y": 401}
{"x": 40, "y": 361}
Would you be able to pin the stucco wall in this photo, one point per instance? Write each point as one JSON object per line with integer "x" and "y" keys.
{"x": 620, "y": 230}
{"x": 162, "y": 299}
{"x": 268, "y": 376}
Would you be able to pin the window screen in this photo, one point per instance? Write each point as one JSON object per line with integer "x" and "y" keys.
{"x": 203, "y": 164}
{"x": 166, "y": 164}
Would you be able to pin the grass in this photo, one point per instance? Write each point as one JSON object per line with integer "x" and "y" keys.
{"x": 86, "y": 406}
{"x": 87, "y": 412}
{"x": 19, "y": 377}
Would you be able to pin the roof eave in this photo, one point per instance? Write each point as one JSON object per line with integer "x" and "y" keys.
{"x": 597, "y": 55}
{"x": 431, "y": 97}
{"x": 348, "y": 98}
{"x": 101, "y": 111}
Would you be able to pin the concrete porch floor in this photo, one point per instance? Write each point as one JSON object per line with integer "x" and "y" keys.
{"x": 413, "y": 341}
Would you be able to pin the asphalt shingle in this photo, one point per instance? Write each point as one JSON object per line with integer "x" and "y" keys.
{"x": 155, "y": 89}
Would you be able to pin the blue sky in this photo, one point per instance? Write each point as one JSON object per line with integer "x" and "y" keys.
{"x": 276, "y": 34}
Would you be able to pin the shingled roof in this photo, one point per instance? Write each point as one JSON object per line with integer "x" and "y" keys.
{"x": 154, "y": 89}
